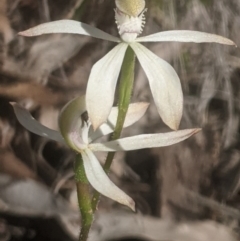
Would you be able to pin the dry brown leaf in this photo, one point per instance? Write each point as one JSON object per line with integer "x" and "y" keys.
{"x": 11, "y": 165}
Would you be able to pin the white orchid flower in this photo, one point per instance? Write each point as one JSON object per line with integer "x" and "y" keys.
{"x": 164, "y": 81}
{"x": 76, "y": 131}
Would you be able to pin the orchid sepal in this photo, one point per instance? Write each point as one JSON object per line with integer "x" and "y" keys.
{"x": 68, "y": 26}
{"x": 101, "y": 86}
{"x": 135, "y": 112}
{"x": 32, "y": 125}
{"x": 101, "y": 182}
{"x": 185, "y": 36}
{"x": 144, "y": 141}
{"x": 164, "y": 83}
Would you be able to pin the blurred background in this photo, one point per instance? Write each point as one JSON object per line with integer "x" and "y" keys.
{"x": 186, "y": 192}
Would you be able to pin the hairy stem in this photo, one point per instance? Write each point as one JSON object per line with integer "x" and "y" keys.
{"x": 84, "y": 198}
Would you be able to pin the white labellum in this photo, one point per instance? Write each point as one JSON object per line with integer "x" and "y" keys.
{"x": 129, "y": 27}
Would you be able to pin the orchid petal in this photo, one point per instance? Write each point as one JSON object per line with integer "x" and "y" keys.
{"x": 101, "y": 182}
{"x": 31, "y": 124}
{"x": 72, "y": 124}
{"x": 164, "y": 83}
{"x": 144, "y": 141}
{"x": 185, "y": 36}
{"x": 135, "y": 112}
{"x": 102, "y": 83}
{"x": 68, "y": 26}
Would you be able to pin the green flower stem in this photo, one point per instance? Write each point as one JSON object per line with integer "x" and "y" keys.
{"x": 125, "y": 92}
{"x": 84, "y": 198}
